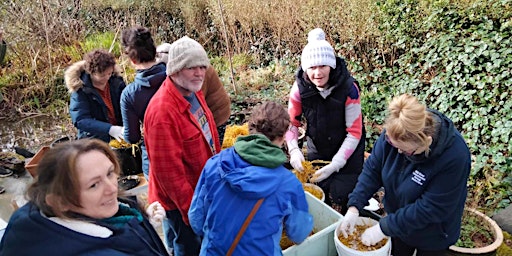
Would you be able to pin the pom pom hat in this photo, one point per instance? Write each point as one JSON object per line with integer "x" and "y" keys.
{"x": 186, "y": 53}
{"x": 318, "y": 52}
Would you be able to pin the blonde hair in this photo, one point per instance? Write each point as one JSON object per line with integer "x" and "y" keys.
{"x": 409, "y": 121}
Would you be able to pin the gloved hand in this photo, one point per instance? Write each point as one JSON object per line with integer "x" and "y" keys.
{"x": 117, "y": 132}
{"x": 372, "y": 235}
{"x": 325, "y": 172}
{"x": 156, "y": 214}
{"x": 296, "y": 156}
{"x": 349, "y": 221}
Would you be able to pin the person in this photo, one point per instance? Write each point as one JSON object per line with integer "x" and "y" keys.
{"x": 328, "y": 97}
{"x": 139, "y": 47}
{"x": 423, "y": 164}
{"x": 180, "y": 136}
{"x": 217, "y": 98}
{"x": 74, "y": 208}
{"x": 235, "y": 179}
{"x": 95, "y": 85}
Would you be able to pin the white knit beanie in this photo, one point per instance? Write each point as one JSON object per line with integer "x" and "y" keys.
{"x": 162, "y": 53}
{"x": 186, "y": 53}
{"x": 318, "y": 52}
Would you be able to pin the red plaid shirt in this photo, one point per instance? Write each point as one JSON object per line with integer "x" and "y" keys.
{"x": 176, "y": 146}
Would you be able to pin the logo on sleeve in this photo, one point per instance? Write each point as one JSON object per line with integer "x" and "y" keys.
{"x": 418, "y": 177}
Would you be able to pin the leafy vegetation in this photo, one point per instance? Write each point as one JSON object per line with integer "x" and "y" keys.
{"x": 474, "y": 232}
{"x": 455, "y": 55}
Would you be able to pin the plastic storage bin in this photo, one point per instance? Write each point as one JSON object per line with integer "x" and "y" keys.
{"x": 321, "y": 243}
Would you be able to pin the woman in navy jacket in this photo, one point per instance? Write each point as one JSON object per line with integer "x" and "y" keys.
{"x": 95, "y": 85}
{"x": 423, "y": 163}
{"x": 74, "y": 208}
{"x": 140, "y": 48}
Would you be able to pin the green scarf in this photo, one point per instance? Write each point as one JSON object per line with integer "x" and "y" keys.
{"x": 123, "y": 216}
{"x": 258, "y": 150}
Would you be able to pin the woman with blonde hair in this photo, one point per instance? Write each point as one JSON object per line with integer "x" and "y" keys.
{"x": 423, "y": 163}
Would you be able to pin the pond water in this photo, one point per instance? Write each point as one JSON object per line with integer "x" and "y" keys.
{"x": 29, "y": 133}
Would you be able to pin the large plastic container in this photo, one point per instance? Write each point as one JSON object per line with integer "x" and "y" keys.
{"x": 321, "y": 243}
{"x": 346, "y": 251}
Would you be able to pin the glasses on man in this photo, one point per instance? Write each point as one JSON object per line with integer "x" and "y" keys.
{"x": 405, "y": 152}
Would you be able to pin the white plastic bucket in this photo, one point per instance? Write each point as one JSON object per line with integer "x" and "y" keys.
{"x": 343, "y": 250}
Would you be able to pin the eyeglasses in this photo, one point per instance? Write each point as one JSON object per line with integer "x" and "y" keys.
{"x": 407, "y": 153}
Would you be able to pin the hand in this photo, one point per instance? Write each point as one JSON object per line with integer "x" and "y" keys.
{"x": 156, "y": 214}
{"x": 324, "y": 172}
{"x": 117, "y": 132}
{"x": 296, "y": 156}
{"x": 372, "y": 235}
{"x": 349, "y": 221}
{"x": 296, "y": 159}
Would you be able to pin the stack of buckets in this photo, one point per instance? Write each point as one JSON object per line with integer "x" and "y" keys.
{"x": 343, "y": 250}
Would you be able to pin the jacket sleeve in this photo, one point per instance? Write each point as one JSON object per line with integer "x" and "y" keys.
{"x": 197, "y": 211}
{"x": 370, "y": 179}
{"x": 80, "y": 112}
{"x": 299, "y": 223}
{"x": 131, "y": 121}
{"x": 354, "y": 124}
{"x": 165, "y": 148}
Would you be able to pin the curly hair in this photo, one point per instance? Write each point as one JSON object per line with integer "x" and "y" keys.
{"x": 138, "y": 44}
{"x": 270, "y": 119}
{"x": 57, "y": 174}
{"x": 99, "y": 60}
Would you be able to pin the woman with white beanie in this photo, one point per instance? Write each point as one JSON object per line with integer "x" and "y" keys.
{"x": 328, "y": 97}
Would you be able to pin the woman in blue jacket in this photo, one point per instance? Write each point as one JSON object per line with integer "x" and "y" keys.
{"x": 95, "y": 85}
{"x": 74, "y": 208}
{"x": 140, "y": 48}
{"x": 423, "y": 163}
{"x": 235, "y": 179}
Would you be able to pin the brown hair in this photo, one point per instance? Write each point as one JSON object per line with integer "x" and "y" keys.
{"x": 270, "y": 119}
{"x": 57, "y": 174}
{"x": 138, "y": 44}
{"x": 409, "y": 121}
{"x": 99, "y": 60}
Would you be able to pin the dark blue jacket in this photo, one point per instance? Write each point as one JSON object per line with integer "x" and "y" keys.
{"x": 424, "y": 196}
{"x": 134, "y": 101}
{"x": 29, "y": 233}
{"x": 88, "y": 112}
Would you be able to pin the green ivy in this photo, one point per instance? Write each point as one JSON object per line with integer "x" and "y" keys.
{"x": 457, "y": 60}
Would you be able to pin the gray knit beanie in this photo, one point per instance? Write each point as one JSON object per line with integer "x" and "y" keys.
{"x": 186, "y": 53}
{"x": 318, "y": 52}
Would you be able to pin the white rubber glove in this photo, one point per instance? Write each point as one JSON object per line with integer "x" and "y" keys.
{"x": 296, "y": 156}
{"x": 117, "y": 132}
{"x": 349, "y": 221}
{"x": 156, "y": 214}
{"x": 372, "y": 235}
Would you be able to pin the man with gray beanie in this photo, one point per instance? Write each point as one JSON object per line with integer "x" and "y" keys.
{"x": 180, "y": 136}
{"x": 213, "y": 90}
{"x": 328, "y": 97}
